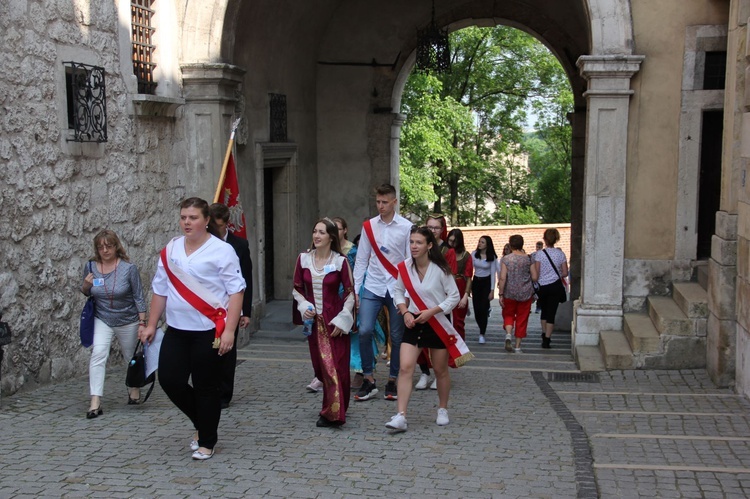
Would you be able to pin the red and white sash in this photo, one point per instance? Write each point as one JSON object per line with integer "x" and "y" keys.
{"x": 389, "y": 267}
{"x": 194, "y": 292}
{"x": 457, "y": 349}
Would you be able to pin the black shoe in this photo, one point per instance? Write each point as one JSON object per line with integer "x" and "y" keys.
{"x": 546, "y": 342}
{"x": 367, "y": 391}
{"x": 391, "y": 392}
{"x": 325, "y": 423}
{"x": 133, "y": 401}
{"x": 93, "y": 413}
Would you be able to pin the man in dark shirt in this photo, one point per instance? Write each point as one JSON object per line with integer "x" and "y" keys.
{"x": 220, "y": 216}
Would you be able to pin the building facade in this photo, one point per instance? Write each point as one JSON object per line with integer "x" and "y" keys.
{"x": 318, "y": 86}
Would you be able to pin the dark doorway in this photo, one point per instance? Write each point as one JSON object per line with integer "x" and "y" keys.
{"x": 709, "y": 182}
{"x": 268, "y": 174}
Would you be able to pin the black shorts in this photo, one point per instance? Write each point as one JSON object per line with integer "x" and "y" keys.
{"x": 422, "y": 336}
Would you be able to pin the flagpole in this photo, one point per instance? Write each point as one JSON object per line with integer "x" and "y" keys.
{"x": 226, "y": 161}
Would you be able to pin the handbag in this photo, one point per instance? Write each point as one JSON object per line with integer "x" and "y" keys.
{"x": 86, "y": 329}
{"x": 136, "y": 375}
{"x": 563, "y": 294}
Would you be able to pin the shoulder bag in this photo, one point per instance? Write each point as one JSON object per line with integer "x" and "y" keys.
{"x": 563, "y": 294}
{"x": 86, "y": 329}
{"x": 136, "y": 375}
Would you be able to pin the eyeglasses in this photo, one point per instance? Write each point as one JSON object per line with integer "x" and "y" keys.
{"x": 105, "y": 246}
{"x": 435, "y": 229}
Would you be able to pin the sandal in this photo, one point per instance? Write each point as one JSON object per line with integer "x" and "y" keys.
{"x": 93, "y": 413}
{"x": 133, "y": 401}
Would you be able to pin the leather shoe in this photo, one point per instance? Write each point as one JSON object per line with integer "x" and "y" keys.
{"x": 202, "y": 456}
{"x": 93, "y": 413}
{"x": 325, "y": 423}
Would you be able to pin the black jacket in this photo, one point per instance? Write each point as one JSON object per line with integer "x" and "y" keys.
{"x": 242, "y": 248}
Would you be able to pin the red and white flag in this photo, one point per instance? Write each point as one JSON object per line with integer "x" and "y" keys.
{"x": 230, "y": 196}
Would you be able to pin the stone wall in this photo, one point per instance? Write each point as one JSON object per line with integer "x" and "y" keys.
{"x": 56, "y": 194}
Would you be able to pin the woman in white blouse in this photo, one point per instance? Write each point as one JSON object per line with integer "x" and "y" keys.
{"x": 191, "y": 350}
{"x": 318, "y": 276}
{"x": 430, "y": 277}
{"x": 486, "y": 268}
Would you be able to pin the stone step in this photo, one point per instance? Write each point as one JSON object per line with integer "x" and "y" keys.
{"x": 615, "y": 350}
{"x": 692, "y": 299}
{"x": 589, "y": 358}
{"x": 702, "y": 274}
{"x": 641, "y": 333}
{"x": 668, "y": 318}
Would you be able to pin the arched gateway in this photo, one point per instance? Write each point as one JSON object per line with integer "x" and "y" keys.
{"x": 341, "y": 67}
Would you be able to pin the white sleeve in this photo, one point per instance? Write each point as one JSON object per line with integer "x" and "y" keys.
{"x": 452, "y": 296}
{"x": 364, "y": 251}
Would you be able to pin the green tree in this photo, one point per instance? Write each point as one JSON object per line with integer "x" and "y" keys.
{"x": 463, "y": 140}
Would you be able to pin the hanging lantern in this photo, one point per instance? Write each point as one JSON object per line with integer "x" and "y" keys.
{"x": 433, "y": 48}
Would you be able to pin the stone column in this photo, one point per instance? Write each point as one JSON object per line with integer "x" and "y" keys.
{"x": 398, "y": 121}
{"x": 603, "y": 240}
{"x": 210, "y": 92}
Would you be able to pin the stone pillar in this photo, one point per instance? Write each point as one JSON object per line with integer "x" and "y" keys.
{"x": 578, "y": 125}
{"x": 731, "y": 313}
{"x": 398, "y": 121}
{"x": 210, "y": 92}
{"x": 603, "y": 240}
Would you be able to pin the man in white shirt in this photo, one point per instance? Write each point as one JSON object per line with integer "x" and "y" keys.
{"x": 384, "y": 244}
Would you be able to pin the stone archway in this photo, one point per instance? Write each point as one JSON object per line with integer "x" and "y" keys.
{"x": 600, "y": 66}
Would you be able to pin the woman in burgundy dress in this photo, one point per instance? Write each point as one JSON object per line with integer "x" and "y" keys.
{"x": 317, "y": 277}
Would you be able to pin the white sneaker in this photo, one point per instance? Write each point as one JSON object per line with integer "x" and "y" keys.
{"x": 424, "y": 379}
{"x": 315, "y": 386}
{"x": 397, "y": 422}
{"x": 481, "y": 339}
{"x": 442, "y": 418}
{"x": 433, "y": 386}
{"x": 518, "y": 350}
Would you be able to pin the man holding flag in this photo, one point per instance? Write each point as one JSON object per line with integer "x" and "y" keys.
{"x": 229, "y": 218}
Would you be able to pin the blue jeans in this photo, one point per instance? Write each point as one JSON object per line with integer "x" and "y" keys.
{"x": 369, "y": 308}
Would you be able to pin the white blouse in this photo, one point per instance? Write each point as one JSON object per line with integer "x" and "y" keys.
{"x": 437, "y": 285}
{"x": 215, "y": 265}
{"x": 344, "y": 320}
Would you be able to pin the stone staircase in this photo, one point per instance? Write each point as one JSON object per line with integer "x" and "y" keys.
{"x": 671, "y": 335}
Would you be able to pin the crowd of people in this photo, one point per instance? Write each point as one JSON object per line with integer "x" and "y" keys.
{"x": 402, "y": 288}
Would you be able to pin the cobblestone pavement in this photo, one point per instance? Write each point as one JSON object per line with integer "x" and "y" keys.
{"x": 522, "y": 425}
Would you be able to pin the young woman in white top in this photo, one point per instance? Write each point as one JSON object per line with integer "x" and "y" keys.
{"x": 485, "y": 263}
{"x": 438, "y": 286}
{"x": 187, "y": 350}
{"x": 551, "y": 288}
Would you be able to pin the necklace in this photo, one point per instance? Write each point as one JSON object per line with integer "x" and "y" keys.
{"x": 110, "y": 293}
{"x": 326, "y": 263}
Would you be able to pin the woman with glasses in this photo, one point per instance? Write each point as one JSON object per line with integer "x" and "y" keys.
{"x": 120, "y": 310}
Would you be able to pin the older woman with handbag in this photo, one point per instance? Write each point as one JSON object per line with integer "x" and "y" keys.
{"x": 120, "y": 310}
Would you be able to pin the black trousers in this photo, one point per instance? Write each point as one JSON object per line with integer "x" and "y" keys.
{"x": 480, "y": 292}
{"x": 190, "y": 354}
{"x": 228, "y": 368}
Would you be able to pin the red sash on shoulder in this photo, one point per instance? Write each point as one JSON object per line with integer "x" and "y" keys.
{"x": 215, "y": 313}
{"x": 389, "y": 267}
{"x": 457, "y": 350}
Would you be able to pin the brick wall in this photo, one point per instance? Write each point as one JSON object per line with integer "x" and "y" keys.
{"x": 500, "y": 234}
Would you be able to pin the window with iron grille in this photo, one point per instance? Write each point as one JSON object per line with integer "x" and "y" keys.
{"x": 277, "y": 107}
{"x": 86, "y": 91}
{"x": 142, "y": 13}
{"x": 715, "y": 71}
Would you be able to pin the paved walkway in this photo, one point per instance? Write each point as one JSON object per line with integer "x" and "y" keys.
{"x": 522, "y": 425}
